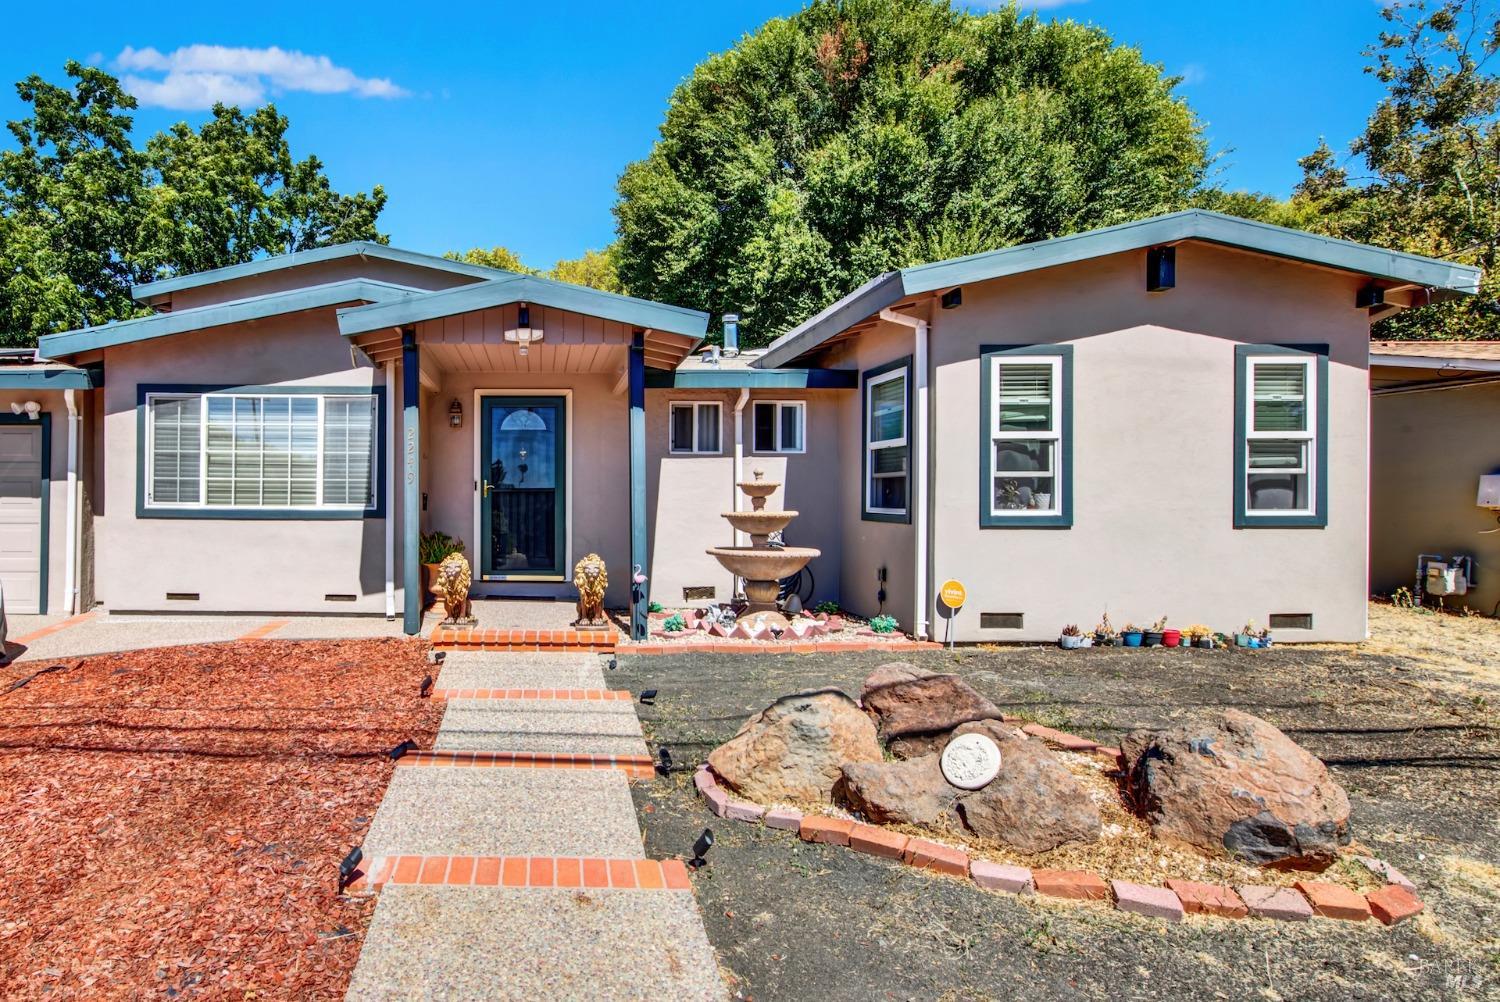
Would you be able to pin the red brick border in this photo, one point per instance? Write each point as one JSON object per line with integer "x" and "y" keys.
{"x": 623, "y": 695}
{"x": 525, "y": 871}
{"x": 452, "y": 638}
{"x": 634, "y": 766}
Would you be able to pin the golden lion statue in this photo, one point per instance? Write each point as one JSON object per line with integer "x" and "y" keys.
{"x": 591, "y": 579}
{"x": 453, "y": 580}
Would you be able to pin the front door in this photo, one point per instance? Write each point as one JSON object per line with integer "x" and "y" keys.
{"x": 522, "y": 487}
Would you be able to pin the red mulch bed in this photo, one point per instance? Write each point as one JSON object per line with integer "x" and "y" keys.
{"x": 171, "y": 820}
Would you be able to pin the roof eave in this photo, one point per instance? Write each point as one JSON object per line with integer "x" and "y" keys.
{"x": 865, "y": 301}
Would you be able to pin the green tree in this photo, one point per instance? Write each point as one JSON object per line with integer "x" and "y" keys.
{"x": 495, "y": 257}
{"x": 862, "y": 135}
{"x": 595, "y": 269}
{"x": 84, "y": 213}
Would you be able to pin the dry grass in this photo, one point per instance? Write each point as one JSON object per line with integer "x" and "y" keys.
{"x": 1463, "y": 650}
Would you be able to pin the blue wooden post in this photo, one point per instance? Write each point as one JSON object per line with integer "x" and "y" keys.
{"x": 638, "y": 553}
{"x": 411, "y": 493}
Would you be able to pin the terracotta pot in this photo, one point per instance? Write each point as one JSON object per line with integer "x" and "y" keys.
{"x": 429, "y": 582}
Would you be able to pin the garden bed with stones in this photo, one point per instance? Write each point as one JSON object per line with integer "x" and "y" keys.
{"x": 172, "y": 819}
{"x": 808, "y": 633}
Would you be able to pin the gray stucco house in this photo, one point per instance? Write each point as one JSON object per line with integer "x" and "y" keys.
{"x": 1168, "y": 417}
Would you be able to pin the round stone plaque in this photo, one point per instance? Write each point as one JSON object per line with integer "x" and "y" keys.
{"x": 970, "y": 761}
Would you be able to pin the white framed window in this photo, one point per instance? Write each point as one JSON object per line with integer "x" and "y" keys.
{"x": 1280, "y": 454}
{"x": 887, "y": 448}
{"x": 696, "y": 427}
{"x": 261, "y": 451}
{"x": 779, "y": 426}
{"x": 1025, "y": 435}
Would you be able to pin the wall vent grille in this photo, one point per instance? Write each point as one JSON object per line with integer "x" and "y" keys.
{"x": 182, "y": 596}
{"x": 1291, "y": 621}
{"x": 1002, "y": 620}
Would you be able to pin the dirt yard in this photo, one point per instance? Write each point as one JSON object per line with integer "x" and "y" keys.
{"x": 171, "y": 820}
{"x": 1407, "y": 722}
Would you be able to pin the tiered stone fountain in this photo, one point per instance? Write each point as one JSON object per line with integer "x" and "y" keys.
{"x": 760, "y": 565}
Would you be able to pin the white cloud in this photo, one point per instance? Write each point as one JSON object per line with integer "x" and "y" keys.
{"x": 195, "y": 76}
{"x": 1193, "y": 73}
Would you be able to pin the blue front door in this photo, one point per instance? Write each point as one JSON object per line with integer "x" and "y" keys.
{"x": 523, "y": 484}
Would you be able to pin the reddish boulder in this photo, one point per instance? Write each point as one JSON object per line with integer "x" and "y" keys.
{"x": 1035, "y": 803}
{"x": 1228, "y": 781}
{"x": 905, "y": 703}
{"x": 913, "y": 792}
{"x": 794, "y": 748}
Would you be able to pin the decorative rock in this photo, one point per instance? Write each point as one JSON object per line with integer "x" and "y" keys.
{"x": 1079, "y": 885}
{"x": 1393, "y": 903}
{"x": 1001, "y": 876}
{"x": 1230, "y": 781}
{"x": 970, "y": 761}
{"x": 922, "y": 704}
{"x": 925, "y": 855}
{"x": 1155, "y": 902}
{"x": 1034, "y": 804}
{"x": 891, "y": 673}
{"x": 833, "y": 831}
{"x": 745, "y": 631}
{"x": 877, "y": 841}
{"x": 1333, "y": 901}
{"x": 792, "y": 750}
{"x": 1385, "y": 871}
{"x": 912, "y": 792}
{"x": 718, "y": 630}
{"x": 1208, "y": 899}
{"x": 786, "y": 819}
{"x": 1275, "y": 902}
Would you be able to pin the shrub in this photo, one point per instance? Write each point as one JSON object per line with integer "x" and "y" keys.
{"x": 883, "y": 624}
{"x": 434, "y": 546}
{"x": 674, "y": 623}
{"x": 653, "y": 606}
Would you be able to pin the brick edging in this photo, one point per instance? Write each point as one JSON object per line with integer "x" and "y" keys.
{"x": 526, "y": 641}
{"x": 1393, "y": 903}
{"x": 585, "y": 872}
{"x": 617, "y": 695}
{"x": 634, "y": 766}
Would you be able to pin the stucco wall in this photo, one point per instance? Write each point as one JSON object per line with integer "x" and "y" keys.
{"x": 1429, "y": 450}
{"x": 687, "y": 493}
{"x": 235, "y": 565}
{"x": 319, "y": 273}
{"x": 52, "y": 403}
{"x": 1153, "y": 397}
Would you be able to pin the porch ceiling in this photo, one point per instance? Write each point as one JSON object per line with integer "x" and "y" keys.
{"x": 571, "y": 342}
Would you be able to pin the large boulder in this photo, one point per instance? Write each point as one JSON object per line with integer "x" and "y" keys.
{"x": 905, "y": 701}
{"x": 1230, "y": 781}
{"x": 913, "y": 792}
{"x": 1035, "y": 803}
{"x": 794, "y": 748}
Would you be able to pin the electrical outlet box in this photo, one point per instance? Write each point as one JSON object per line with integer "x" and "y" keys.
{"x": 1489, "y": 491}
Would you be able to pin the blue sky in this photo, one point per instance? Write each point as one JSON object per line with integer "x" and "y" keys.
{"x": 508, "y": 123}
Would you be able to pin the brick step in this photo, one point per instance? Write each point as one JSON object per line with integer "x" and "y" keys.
{"x": 556, "y": 694}
{"x": 450, "y": 638}
{"x": 634, "y": 766}
{"x": 525, "y": 871}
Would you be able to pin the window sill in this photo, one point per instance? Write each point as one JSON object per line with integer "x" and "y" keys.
{"x": 1058, "y": 521}
{"x": 1248, "y": 520}
{"x": 903, "y": 518}
{"x": 259, "y": 514}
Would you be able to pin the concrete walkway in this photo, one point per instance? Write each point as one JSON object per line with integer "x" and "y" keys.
{"x": 526, "y": 881}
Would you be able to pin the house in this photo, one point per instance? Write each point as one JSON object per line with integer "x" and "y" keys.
{"x": 1432, "y": 404}
{"x": 1164, "y": 417}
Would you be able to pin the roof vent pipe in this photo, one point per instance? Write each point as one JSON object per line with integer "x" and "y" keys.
{"x": 731, "y": 334}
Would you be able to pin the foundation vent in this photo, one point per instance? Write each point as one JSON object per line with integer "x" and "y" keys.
{"x": 182, "y": 596}
{"x": 1002, "y": 620}
{"x": 700, "y": 593}
{"x": 1291, "y": 621}
{"x": 340, "y": 598}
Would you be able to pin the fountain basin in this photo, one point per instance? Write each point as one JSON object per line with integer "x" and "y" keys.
{"x": 759, "y": 524}
{"x": 754, "y": 564}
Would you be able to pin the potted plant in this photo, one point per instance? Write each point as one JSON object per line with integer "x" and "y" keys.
{"x": 1197, "y": 635}
{"x": 433, "y": 548}
{"x": 1153, "y": 636}
{"x": 1130, "y": 636}
{"x": 1247, "y": 637}
{"x": 1105, "y": 634}
{"x": 1171, "y": 637}
{"x": 1072, "y": 638}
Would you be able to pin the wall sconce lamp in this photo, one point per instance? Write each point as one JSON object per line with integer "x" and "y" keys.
{"x": 31, "y": 408}
{"x": 524, "y": 334}
{"x": 456, "y": 414}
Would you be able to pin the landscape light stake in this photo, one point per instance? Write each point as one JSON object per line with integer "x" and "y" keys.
{"x": 401, "y": 749}
{"x": 426, "y": 689}
{"x": 700, "y": 849}
{"x": 347, "y": 868}
{"x": 613, "y": 664}
{"x": 648, "y": 697}
{"x": 665, "y": 765}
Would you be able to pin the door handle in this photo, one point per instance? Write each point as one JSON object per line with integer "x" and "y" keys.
{"x": 487, "y": 488}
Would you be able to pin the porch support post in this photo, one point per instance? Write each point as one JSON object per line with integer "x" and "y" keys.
{"x": 638, "y": 553}
{"x": 411, "y": 480}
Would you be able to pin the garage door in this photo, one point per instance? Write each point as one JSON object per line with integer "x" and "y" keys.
{"x": 21, "y": 518}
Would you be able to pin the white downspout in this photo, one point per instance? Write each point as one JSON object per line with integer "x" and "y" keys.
{"x": 918, "y": 441}
{"x": 390, "y": 492}
{"x": 739, "y": 472}
{"x": 71, "y": 546}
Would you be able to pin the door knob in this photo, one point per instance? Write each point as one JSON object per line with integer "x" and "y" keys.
{"x": 487, "y": 488}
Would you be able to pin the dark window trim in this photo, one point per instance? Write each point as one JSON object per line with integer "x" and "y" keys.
{"x": 1244, "y": 519}
{"x": 259, "y": 514}
{"x": 44, "y": 421}
{"x": 903, "y": 518}
{"x": 1063, "y": 519}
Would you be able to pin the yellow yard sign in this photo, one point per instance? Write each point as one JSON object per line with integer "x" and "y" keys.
{"x": 952, "y": 594}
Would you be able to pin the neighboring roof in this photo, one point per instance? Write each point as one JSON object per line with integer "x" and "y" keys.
{"x": 218, "y": 314}
{"x": 151, "y": 291}
{"x": 1193, "y": 224}
{"x": 1470, "y": 356}
{"x": 640, "y": 313}
{"x": 43, "y": 374}
{"x": 712, "y": 369}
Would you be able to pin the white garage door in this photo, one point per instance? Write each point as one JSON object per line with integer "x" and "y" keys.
{"x": 21, "y": 517}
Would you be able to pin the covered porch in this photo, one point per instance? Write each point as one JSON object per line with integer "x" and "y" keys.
{"x": 522, "y": 432}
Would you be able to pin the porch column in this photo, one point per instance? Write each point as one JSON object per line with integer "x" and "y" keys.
{"x": 638, "y": 558}
{"x": 411, "y": 495}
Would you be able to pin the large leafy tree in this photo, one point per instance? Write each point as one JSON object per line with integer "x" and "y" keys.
{"x": 595, "y": 269}
{"x": 861, "y": 135}
{"x": 84, "y": 213}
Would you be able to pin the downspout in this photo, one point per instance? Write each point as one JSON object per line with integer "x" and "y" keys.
{"x": 390, "y": 492}
{"x": 918, "y": 466}
{"x": 739, "y": 455}
{"x": 71, "y": 546}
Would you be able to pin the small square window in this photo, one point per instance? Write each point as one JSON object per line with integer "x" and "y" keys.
{"x": 695, "y": 428}
{"x": 779, "y": 426}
